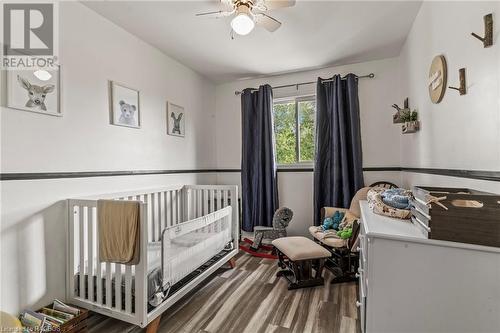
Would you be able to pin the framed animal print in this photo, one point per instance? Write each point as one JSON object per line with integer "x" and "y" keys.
{"x": 34, "y": 90}
{"x": 124, "y": 105}
{"x": 176, "y": 120}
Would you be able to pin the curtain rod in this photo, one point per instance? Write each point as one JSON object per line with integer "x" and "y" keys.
{"x": 369, "y": 76}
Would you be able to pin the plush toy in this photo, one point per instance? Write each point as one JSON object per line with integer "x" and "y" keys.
{"x": 327, "y": 224}
{"x": 345, "y": 233}
{"x": 398, "y": 198}
{"x": 333, "y": 222}
{"x": 337, "y": 219}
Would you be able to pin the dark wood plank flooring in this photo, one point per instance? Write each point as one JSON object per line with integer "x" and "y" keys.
{"x": 250, "y": 298}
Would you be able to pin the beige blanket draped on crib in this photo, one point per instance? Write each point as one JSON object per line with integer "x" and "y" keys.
{"x": 119, "y": 231}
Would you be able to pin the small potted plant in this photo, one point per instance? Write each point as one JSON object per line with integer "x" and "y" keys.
{"x": 411, "y": 123}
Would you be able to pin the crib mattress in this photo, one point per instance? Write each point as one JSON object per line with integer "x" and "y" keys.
{"x": 151, "y": 276}
{"x": 177, "y": 246}
{"x": 173, "y": 249}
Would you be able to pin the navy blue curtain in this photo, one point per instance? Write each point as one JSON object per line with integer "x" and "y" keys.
{"x": 258, "y": 162}
{"x": 338, "y": 168}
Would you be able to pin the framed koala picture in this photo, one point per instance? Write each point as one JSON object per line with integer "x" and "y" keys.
{"x": 176, "y": 120}
{"x": 34, "y": 90}
{"x": 124, "y": 105}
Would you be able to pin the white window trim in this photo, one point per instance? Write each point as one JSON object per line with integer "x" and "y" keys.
{"x": 299, "y": 165}
{"x": 296, "y": 100}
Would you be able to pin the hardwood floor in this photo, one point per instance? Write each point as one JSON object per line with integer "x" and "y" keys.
{"x": 251, "y": 299}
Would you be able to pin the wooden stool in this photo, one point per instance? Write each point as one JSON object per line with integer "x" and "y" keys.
{"x": 298, "y": 257}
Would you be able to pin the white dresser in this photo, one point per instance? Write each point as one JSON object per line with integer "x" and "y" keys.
{"x": 408, "y": 283}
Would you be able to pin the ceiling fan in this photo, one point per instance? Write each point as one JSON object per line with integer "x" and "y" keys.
{"x": 250, "y": 13}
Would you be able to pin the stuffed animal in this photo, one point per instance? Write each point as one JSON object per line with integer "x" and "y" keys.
{"x": 127, "y": 115}
{"x": 345, "y": 233}
{"x": 333, "y": 222}
{"x": 337, "y": 219}
{"x": 398, "y": 198}
{"x": 327, "y": 224}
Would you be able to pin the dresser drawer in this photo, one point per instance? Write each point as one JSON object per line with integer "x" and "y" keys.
{"x": 361, "y": 302}
{"x": 363, "y": 243}
{"x": 362, "y": 277}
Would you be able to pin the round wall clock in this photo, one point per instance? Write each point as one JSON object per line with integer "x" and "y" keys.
{"x": 437, "y": 79}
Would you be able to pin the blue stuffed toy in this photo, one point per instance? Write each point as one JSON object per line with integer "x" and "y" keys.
{"x": 327, "y": 224}
{"x": 337, "y": 219}
{"x": 333, "y": 222}
{"x": 397, "y": 198}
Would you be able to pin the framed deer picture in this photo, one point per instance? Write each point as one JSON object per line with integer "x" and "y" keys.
{"x": 34, "y": 91}
{"x": 176, "y": 120}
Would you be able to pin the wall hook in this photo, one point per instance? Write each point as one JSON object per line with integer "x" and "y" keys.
{"x": 488, "y": 31}
{"x": 463, "y": 88}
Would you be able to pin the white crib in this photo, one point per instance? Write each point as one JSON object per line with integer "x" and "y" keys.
{"x": 200, "y": 229}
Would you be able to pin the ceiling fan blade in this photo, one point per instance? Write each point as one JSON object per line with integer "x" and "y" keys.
{"x": 216, "y": 14}
{"x": 267, "y": 22}
{"x": 274, "y": 4}
{"x": 227, "y": 5}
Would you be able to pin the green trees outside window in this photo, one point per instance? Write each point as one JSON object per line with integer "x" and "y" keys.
{"x": 294, "y": 130}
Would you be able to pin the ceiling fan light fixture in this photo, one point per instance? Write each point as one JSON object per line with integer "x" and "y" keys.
{"x": 243, "y": 22}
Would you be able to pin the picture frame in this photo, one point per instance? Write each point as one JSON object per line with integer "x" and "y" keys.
{"x": 176, "y": 120}
{"x": 124, "y": 105}
{"x": 36, "y": 90}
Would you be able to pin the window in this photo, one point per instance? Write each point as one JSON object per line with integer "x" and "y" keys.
{"x": 294, "y": 130}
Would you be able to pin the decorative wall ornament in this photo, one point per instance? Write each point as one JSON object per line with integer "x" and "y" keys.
{"x": 410, "y": 127}
{"x": 124, "y": 105}
{"x": 488, "y": 31}
{"x": 397, "y": 118}
{"x": 462, "y": 89}
{"x": 34, "y": 90}
{"x": 176, "y": 120}
{"x": 438, "y": 74}
{"x": 411, "y": 123}
{"x": 406, "y": 117}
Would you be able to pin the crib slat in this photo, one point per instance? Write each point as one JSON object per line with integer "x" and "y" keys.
{"x": 163, "y": 217}
{"x": 147, "y": 199}
{"x": 90, "y": 248}
{"x": 98, "y": 272}
{"x": 118, "y": 286}
{"x": 211, "y": 200}
{"x": 156, "y": 220}
{"x": 157, "y": 216}
{"x": 177, "y": 204}
{"x": 108, "y": 285}
{"x": 224, "y": 200}
{"x": 205, "y": 202}
{"x": 219, "y": 199}
{"x": 81, "y": 253}
{"x": 198, "y": 203}
{"x": 189, "y": 204}
{"x": 71, "y": 253}
{"x": 128, "y": 289}
{"x": 168, "y": 205}
{"x": 154, "y": 217}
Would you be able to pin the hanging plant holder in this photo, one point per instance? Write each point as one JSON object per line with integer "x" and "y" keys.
{"x": 410, "y": 127}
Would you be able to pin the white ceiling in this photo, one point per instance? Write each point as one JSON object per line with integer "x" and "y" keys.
{"x": 314, "y": 34}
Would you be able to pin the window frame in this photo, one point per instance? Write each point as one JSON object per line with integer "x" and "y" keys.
{"x": 296, "y": 100}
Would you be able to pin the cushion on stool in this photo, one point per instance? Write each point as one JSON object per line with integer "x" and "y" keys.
{"x": 300, "y": 248}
